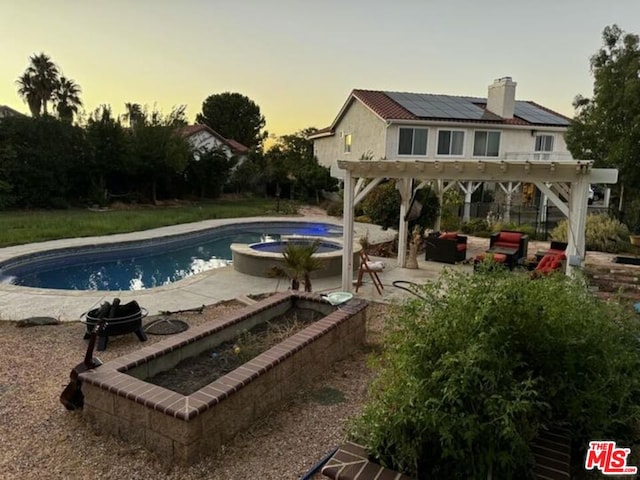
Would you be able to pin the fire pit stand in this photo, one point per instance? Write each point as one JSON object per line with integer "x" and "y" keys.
{"x": 122, "y": 319}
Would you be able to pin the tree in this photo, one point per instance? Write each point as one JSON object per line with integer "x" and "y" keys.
{"x": 43, "y": 161}
{"x": 291, "y": 161}
{"x": 134, "y": 114}
{"x": 606, "y": 127}
{"x": 38, "y": 82}
{"x": 106, "y": 169}
{"x": 209, "y": 170}
{"x": 67, "y": 98}
{"x": 27, "y": 90}
{"x": 159, "y": 149}
{"x": 234, "y": 116}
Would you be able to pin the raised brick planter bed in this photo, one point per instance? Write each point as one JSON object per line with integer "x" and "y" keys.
{"x": 182, "y": 428}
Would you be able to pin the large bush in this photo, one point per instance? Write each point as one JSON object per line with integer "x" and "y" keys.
{"x": 382, "y": 205}
{"x": 472, "y": 373}
{"x": 602, "y": 234}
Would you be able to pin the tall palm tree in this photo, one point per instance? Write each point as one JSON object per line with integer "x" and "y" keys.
{"x": 27, "y": 90}
{"x": 67, "y": 98}
{"x": 38, "y": 82}
{"x": 45, "y": 76}
{"x": 134, "y": 114}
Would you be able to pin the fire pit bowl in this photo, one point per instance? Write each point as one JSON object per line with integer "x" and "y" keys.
{"x": 123, "y": 319}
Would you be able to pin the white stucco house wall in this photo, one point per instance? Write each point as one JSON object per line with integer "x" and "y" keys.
{"x": 203, "y": 138}
{"x": 413, "y": 126}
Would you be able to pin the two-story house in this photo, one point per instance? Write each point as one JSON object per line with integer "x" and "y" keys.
{"x": 410, "y": 126}
{"x": 460, "y": 140}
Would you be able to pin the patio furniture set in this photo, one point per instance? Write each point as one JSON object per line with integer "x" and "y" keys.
{"x": 507, "y": 248}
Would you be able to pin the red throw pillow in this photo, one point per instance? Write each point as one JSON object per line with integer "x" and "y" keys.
{"x": 510, "y": 237}
{"x": 448, "y": 236}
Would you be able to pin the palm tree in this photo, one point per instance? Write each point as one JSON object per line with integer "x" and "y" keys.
{"x": 45, "y": 76}
{"x": 27, "y": 90}
{"x": 134, "y": 114}
{"x": 299, "y": 263}
{"x": 67, "y": 98}
{"x": 38, "y": 82}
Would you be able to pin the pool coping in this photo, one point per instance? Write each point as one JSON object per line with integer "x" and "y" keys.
{"x": 17, "y": 302}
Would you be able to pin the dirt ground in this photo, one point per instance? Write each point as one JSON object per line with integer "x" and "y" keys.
{"x": 41, "y": 440}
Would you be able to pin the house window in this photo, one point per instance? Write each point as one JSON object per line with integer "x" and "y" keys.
{"x": 450, "y": 142}
{"x": 412, "y": 141}
{"x": 486, "y": 144}
{"x": 347, "y": 143}
{"x": 544, "y": 143}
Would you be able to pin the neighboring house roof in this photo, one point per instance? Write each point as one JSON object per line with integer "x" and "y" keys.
{"x": 399, "y": 106}
{"x": 9, "y": 112}
{"x": 236, "y": 147}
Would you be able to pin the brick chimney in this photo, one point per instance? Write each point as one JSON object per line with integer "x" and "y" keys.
{"x": 502, "y": 97}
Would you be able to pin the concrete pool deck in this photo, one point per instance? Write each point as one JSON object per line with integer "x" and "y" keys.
{"x": 206, "y": 288}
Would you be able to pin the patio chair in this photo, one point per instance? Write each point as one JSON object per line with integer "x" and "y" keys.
{"x": 446, "y": 247}
{"x": 372, "y": 269}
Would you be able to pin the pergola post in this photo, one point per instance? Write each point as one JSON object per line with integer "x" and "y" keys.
{"x": 578, "y": 201}
{"x": 404, "y": 187}
{"x": 347, "y": 232}
{"x": 468, "y": 190}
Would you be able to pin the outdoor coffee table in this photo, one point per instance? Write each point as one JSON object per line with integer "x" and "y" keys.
{"x": 510, "y": 253}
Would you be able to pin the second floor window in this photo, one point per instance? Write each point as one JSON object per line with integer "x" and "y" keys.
{"x": 412, "y": 141}
{"x": 544, "y": 143}
{"x": 347, "y": 143}
{"x": 450, "y": 142}
{"x": 486, "y": 144}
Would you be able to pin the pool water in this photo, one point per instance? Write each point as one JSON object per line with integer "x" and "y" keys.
{"x": 280, "y": 246}
{"x": 141, "y": 265}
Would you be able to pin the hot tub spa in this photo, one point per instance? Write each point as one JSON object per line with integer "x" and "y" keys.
{"x": 119, "y": 398}
{"x": 258, "y": 259}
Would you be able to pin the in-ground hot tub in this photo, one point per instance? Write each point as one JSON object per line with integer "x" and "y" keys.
{"x": 258, "y": 259}
{"x": 118, "y": 399}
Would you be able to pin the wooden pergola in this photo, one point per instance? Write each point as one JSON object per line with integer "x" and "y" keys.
{"x": 565, "y": 183}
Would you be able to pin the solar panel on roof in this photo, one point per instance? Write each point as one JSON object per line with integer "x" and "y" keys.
{"x": 533, "y": 114}
{"x": 438, "y": 106}
{"x": 464, "y": 108}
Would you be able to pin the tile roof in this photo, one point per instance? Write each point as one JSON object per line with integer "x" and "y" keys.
{"x": 383, "y": 105}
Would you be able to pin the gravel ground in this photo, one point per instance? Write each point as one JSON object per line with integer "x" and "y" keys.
{"x": 41, "y": 440}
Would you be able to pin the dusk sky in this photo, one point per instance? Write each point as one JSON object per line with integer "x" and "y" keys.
{"x": 298, "y": 59}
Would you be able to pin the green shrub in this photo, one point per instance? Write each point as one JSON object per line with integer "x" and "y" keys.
{"x": 602, "y": 234}
{"x": 334, "y": 209}
{"x": 470, "y": 375}
{"x": 524, "y": 228}
{"x": 475, "y": 226}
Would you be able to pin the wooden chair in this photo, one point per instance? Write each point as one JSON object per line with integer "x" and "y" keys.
{"x": 372, "y": 268}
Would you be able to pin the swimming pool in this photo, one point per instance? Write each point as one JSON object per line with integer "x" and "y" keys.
{"x": 148, "y": 263}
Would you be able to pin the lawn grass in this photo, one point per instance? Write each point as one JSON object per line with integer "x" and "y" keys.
{"x": 27, "y": 226}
